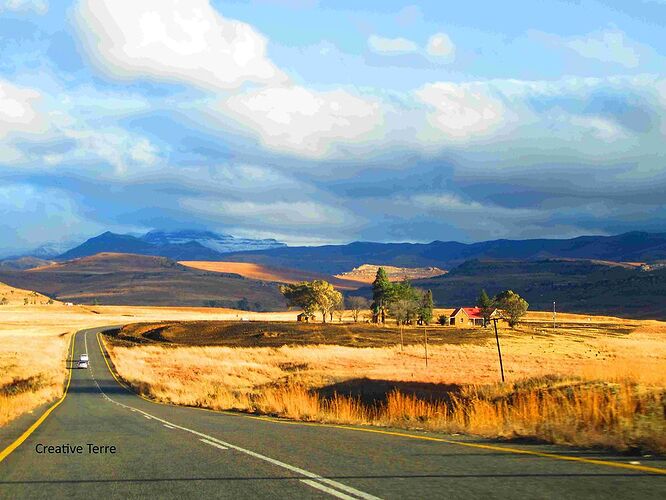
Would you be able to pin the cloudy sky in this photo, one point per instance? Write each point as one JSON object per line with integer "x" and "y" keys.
{"x": 317, "y": 122}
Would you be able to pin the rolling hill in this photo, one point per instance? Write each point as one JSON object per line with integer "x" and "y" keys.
{"x": 267, "y": 273}
{"x": 124, "y": 279}
{"x": 575, "y": 285}
{"x": 366, "y": 273}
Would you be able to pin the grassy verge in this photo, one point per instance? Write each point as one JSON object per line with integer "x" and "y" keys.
{"x": 598, "y": 390}
{"x": 31, "y": 373}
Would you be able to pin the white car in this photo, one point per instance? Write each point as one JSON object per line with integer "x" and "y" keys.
{"x": 82, "y": 364}
{"x": 84, "y": 357}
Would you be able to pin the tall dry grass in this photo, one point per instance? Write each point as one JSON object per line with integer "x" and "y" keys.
{"x": 577, "y": 389}
{"x": 31, "y": 373}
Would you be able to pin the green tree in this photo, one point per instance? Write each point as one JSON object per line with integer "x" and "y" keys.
{"x": 381, "y": 292}
{"x": 325, "y": 297}
{"x": 357, "y": 304}
{"x": 299, "y": 295}
{"x": 405, "y": 311}
{"x": 486, "y": 305}
{"x": 425, "y": 311}
{"x": 512, "y": 305}
{"x": 404, "y": 302}
{"x": 317, "y": 295}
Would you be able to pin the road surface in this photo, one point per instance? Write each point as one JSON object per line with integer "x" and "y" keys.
{"x": 131, "y": 447}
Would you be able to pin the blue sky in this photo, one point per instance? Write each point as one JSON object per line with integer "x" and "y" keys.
{"x": 322, "y": 122}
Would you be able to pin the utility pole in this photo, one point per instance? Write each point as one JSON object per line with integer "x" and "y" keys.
{"x": 425, "y": 336}
{"x": 499, "y": 351}
{"x": 553, "y": 315}
{"x": 402, "y": 342}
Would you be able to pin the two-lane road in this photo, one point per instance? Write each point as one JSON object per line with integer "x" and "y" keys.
{"x": 131, "y": 447}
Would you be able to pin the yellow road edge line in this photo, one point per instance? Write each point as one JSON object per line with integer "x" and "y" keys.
{"x": 7, "y": 451}
{"x": 490, "y": 447}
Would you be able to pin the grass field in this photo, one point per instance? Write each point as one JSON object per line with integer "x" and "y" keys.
{"x": 34, "y": 339}
{"x": 594, "y": 381}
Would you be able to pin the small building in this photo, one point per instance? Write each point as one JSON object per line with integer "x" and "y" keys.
{"x": 468, "y": 316}
{"x": 304, "y": 318}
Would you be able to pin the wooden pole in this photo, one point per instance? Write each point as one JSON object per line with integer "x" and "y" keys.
{"x": 499, "y": 351}
{"x": 402, "y": 344}
{"x": 425, "y": 335}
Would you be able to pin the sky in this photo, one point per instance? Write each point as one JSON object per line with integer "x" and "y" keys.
{"x": 318, "y": 122}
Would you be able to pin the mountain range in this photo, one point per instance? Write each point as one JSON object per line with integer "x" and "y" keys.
{"x": 335, "y": 259}
{"x": 176, "y": 245}
{"x": 196, "y": 245}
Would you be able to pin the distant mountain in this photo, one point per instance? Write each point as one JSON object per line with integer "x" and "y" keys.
{"x": 178, "y": 245}
{"x": 222, "y": 243}
{"x": 109, "y": 242}
{"x": 336, "y": 259}
{"x": 49, "y": 250}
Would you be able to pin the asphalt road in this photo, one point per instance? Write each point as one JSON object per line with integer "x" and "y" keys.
{"x": 174, "y": 452}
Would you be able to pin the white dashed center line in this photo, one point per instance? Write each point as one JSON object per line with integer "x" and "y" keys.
{"x": 214, "y": 444}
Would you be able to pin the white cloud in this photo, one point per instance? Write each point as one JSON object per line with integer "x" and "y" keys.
{"x": 461, "y": 111}
{"x": 171, "y": 40}
{"x": 391, "y": 46}
{"x": 606, "y": 46}
{"x": 304, "y": 121}
{"x": 37, "y": 6}
{"x": 279, "y": 214}
{"x": 19, "y": 111}
{"x": 440, "y": 45}
{"x": 113, "y": 146}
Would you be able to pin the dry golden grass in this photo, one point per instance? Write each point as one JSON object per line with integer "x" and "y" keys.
{"x": 31, "y": 373}
{"x": 34, "y": 339}
{"x": 580, "y": 386}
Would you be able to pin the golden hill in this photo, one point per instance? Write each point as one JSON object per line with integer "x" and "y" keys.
{"x": 12, "y": 296}
{"x": 268, "y": 273}
{"x": 366, "y": 273}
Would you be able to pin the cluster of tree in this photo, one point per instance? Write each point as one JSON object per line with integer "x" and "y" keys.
{"x": 357, "y": 304}
{"x": 400, "y": 300}
{"x": 313, "y": 296}
{"x": 511, "y": 306}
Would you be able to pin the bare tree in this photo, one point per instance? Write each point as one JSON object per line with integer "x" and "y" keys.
{"x": 357, "y": 304}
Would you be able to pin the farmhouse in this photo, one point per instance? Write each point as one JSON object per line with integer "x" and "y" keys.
{"x": 469, "y": 316}
{"x": 304, "y": 317}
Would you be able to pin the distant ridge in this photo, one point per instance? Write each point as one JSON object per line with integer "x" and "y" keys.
{"x": 335, "y": 259}
{"x": 192, "y": 245}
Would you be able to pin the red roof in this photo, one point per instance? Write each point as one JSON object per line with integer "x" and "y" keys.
{"x": 472, "y": 312}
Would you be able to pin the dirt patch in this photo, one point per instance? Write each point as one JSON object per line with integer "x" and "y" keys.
{"x": 276, "y": 334}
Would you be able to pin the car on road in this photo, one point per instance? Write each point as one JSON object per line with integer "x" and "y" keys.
{"x": 84, "y": 357}
{"x": 82, "y": 364}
